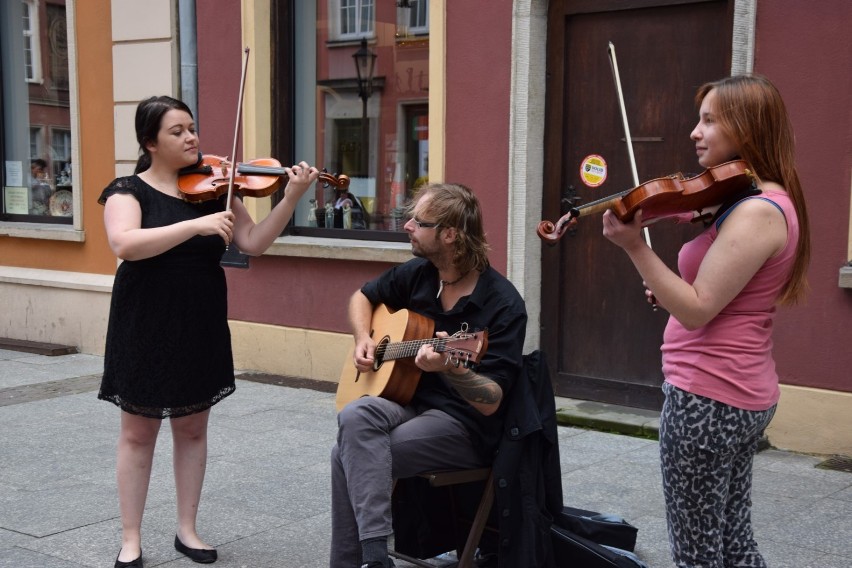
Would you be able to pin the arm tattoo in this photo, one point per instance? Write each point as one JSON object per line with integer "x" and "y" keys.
{"x": 473, "y": 387}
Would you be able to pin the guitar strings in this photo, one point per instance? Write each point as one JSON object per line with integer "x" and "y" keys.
{"x": 404, "y": 349}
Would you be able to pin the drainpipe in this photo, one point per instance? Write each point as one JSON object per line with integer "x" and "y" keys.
{"x": 188, "y": 56}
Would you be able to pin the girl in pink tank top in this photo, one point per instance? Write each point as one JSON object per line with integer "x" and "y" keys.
{"x": 720, "y": 382}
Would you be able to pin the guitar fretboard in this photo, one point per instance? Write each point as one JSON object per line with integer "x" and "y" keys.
{"x": 403, "y": 349}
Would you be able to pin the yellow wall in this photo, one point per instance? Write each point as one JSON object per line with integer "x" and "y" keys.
{"x": 812, "y": 420}
{"x": 289, "y": 351}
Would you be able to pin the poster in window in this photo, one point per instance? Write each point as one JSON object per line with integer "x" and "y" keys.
{"x": 16, "y": 200}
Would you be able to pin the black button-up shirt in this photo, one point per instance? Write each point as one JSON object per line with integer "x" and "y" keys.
{"x": 494, "y": 305}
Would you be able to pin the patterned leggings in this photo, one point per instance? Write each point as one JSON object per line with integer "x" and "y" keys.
{"x": 707, "y": 452}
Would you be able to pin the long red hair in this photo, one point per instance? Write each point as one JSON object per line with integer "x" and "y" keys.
{"x": 751, "y": 112}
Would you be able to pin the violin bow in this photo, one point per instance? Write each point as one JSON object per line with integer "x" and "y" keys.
{"x": 614, "y": 62}
{"x": 237, "y": 130}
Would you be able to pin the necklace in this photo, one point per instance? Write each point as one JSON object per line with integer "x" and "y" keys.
{"x": 445, "y": 283}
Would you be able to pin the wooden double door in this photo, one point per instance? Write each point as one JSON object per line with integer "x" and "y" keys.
{"x": 602, "y": 338}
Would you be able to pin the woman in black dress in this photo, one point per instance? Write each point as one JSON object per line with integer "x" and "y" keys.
{"x": 168, "y": 348}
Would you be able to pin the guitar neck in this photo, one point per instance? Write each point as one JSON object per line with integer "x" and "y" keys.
{"x": 404, "y": 349}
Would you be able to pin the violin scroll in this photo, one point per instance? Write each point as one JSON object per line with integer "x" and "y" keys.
{"x": 547, "y": 231}
{"x": 340, "y": 181}
{"x": 551, "y": 232}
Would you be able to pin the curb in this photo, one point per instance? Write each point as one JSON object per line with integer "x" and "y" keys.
{"x": 636, "y": 422}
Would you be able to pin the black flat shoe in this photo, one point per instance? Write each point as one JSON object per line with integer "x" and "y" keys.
{"x": 137, "y": 563}
{"x": 200, "y": 555}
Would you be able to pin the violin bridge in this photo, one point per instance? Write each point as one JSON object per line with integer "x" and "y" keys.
{"x": 224, "y": 164}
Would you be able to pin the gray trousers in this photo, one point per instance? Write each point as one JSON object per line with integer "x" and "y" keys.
{"x": 379, "y": 441}
{"x": 707, "y": 453}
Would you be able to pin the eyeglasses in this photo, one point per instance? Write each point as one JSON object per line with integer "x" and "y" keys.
{"x": 424, "y": 224}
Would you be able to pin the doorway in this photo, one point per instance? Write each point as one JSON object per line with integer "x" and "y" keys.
{"x": 602, "y": 336}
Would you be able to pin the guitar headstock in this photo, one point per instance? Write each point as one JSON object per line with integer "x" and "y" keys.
{"x": 466, "y": 348}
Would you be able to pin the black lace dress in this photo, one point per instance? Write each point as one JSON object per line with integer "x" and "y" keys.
{"x": 168, "y": 345}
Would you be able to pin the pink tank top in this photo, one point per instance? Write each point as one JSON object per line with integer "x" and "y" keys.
{"x": 730, "y": 358}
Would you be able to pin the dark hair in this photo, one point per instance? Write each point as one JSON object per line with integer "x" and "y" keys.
{"x": 149, "y": 116}
{"x": 39, "y": 163}
{"x": 455, "y": 205}
{"x": 751, "y": 112}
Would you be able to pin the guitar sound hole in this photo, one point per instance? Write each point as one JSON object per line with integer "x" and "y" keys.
{"x": 379, "y": 356}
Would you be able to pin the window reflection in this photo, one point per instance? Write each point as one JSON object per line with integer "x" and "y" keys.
{"x": 356, "y": 18}
{"x": 380, "y": 140}
{"x": 36, "y": 121}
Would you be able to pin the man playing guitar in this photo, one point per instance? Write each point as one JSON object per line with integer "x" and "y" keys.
{"x": 454, "y": 418}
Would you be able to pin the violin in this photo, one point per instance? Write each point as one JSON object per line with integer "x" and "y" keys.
{"x": 663, "y": 197}
{"x": 213, "y": 176}
{"x": 210, "y": 178}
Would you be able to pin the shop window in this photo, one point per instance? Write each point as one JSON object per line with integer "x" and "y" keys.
{"x": 36, "y": 144}
{"x": 372, "y": 128}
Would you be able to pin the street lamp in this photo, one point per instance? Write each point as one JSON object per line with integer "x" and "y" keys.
{"x": 365, "y": 66}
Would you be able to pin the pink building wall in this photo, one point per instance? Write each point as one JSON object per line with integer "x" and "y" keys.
{"x": 478, "y": 81}
{"x": 220, "y": 58}
{"x": 806, "y": 52}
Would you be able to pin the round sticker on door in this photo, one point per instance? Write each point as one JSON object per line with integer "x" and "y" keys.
{"x": 593, "y": 170}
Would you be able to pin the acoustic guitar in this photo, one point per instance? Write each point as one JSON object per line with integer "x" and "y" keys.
{"x": 399, "y": 335}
